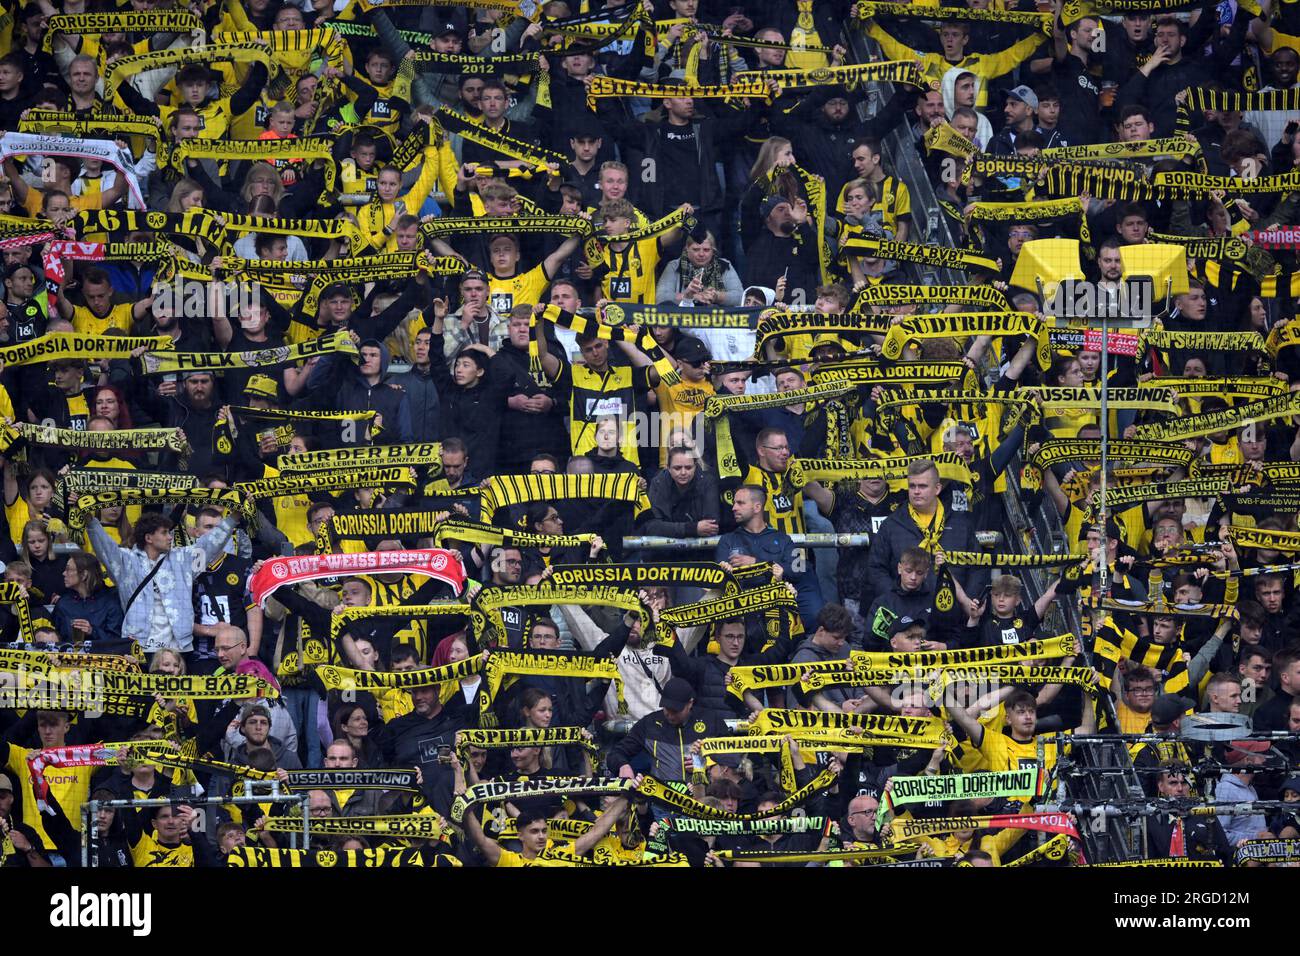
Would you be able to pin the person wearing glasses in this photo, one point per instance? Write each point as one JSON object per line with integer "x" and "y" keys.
{"x": 860, "y": 821}
{"x": 1134, "y": 707}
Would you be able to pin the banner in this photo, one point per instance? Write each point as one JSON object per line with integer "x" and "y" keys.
{"x": 931, "y": 826}
{"x": 1022, "y": 784}
{"x": 410, "y": 826}
{"x": 352, "y": 779}
{"x": 71, "y": 345}
{"x": 32, "y": 144}
{"x": 350, "y": 679}
{"x": 415, "y": 456}
{"x": 443, "y": 565}
{"x": 693, "y": 574}
{"x": 378, "y": 858}
{"x": 161, "y": 363}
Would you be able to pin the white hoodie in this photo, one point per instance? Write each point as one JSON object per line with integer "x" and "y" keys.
{"x": 983, "y": 132}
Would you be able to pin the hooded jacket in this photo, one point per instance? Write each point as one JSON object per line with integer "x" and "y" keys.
{"x": 341, "y": 384}
{"x": 899, "y": 532}
{"x": 983, "y": 132}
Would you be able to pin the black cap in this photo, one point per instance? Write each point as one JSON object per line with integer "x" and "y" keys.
{"x": 586, "y": 126}
{"x": 905, "y": 623}
{"x": 334, "y": 291}
{"x": 677, "y": 693}
{"x": 445, "y": 29}
{"x": 691, "y": 350}
{"x": 1169, "y": 708}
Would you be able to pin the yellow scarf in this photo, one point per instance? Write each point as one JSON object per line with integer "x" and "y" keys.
{"x": 929, "y": 535}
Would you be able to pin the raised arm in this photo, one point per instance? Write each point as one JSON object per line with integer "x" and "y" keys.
{"x": 604, "y": 823}
{"x": 490, "y": 849}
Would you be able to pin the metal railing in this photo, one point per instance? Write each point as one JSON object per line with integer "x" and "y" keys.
{"x": 90, "y": 813}
{"x": 1037, "y": 533}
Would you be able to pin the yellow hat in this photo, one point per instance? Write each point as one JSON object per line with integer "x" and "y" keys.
{"x": 262, "y": 386}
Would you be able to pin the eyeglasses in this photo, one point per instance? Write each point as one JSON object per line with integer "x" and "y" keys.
{"x": 777, "y": 447}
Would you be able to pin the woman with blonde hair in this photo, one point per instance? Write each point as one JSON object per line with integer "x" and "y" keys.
{"x": 186, "y": 195}
{"x": 769, "y": 176}
{"x": 171, "y": 714}
{"x": 262, "y": 179}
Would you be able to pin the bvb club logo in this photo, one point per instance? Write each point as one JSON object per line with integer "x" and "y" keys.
{"x": 700, "y": 727}
{"x": 232, "y": 579}
{"x": 943, "y": 600}
{"x": 156, "y": 220}
{"x": 613, "y": 315}
{"x": 326, "y": 858}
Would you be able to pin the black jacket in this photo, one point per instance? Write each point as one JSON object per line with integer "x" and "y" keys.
{"x": 676, "y": 511}
{"x": 339, "y": 385}
{"x": 642, "y": 141}
{"x": 523, "y": 434}
{"x": 667, "y": 746}
{"x": 899, "y": 532}
{"x": 826, "y": 148}
{"x": 708, "y": 675}
{"x": 471, "y": 414}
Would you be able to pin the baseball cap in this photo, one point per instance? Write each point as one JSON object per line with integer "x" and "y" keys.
{"x": 6, "y": 783}
{"x": 253, "y": 710}
{"x": 471, "y": 274}
{"x": 1025, "y": 95}
{"x": 1292, "y": 783}
{"x": 906, "y": 623}
{"x": 692, "y": 351}
{"x": 677, "y": 693}
{"x": 770, "y": 203}
{"x": 261, "y": 386}
{"x": 334, "y": 291}
{"x": 445, "y": 29}
{"x": 1168, "y": 708}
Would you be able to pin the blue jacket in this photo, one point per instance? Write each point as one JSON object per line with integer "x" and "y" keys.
{"x": 767, "y": 545}
{"x": 103, "y": 610}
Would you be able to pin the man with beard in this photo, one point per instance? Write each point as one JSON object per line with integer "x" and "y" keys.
{"x": 787, "y": 247}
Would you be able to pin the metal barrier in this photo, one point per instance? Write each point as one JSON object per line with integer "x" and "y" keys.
{"x": 90, "y": 810}
{"x": 1040, "y": 533}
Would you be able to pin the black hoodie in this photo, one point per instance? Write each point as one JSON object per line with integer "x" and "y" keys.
{"x": 339, "y": 385}
{"x": 472, "y": 414}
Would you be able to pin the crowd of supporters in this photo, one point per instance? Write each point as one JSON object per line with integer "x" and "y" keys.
{"x": 620, "y": 324}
